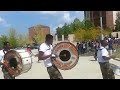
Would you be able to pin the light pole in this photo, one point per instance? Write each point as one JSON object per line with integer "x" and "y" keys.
{"x": 101, "y": 25}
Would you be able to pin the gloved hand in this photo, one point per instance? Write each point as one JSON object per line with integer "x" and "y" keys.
{"x": 54, "y": 56}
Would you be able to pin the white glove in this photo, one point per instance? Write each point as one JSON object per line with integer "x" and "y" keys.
{"x": 54, "y": 56}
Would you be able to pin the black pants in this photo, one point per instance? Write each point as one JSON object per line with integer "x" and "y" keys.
{"x": 95, "y": 56}
{"x": 6, "y": 74}
{"x": 54, "y": 73}
{"x": 106, "y": 70}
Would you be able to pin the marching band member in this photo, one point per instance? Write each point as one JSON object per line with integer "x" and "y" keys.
{"x": 45, "y": 53}
{"x": 6, "y": 47}
{"x": 103, "y": 59}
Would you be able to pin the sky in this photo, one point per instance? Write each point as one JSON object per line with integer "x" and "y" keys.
{"x": 22, "y": 20}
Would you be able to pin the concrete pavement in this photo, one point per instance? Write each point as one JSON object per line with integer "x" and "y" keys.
{"x": 86, "y": 68}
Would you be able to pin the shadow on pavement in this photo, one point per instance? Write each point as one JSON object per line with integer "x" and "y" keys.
{"x": 93, "y": 60}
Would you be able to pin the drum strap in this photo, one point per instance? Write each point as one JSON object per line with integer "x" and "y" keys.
{"x": 4, "y": 51}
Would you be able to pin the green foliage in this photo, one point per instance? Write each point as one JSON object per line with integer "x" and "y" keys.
{"x": 23, "y": 40}
{"x": 90, "y": 34}
{"x": 66, "y": 30}
{"x": 3, "y": 38}
{"x": 59, "y": 32}
{"x": 15, "y": 39}
{"x": 20, "y": 40}
{"x": 84, "y": 30}
{"x": 73, "y": 27}
{"x": 87, "y": 24}
{"x": 117, "y": 27}
{"x": 12, "y": 37}
{"x": 77, "y": 24}
{"x": 39, "y": 36}
{"x": 107, "y": 32}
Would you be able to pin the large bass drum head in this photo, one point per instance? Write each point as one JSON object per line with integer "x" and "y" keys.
{"x": 19, "y": 61}
{"x": 67, "y": 55}
{"x": 14, "y": 61}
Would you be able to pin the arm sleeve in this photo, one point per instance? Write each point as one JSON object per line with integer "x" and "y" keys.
{"x": 1, "y": 58}
{"x": 42, "y": 48}
{"x": 104, "y": 52}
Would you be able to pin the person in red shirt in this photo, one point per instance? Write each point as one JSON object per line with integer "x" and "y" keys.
{"x": 29, "y": 49}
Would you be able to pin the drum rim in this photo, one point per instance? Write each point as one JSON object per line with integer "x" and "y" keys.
{"x": 20, "y": 71}
{"x": 77, "y": 55}
{"x": 19, "y": 57}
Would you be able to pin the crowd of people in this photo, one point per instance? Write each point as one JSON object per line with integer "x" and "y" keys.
{"x": 103, "y": 52}
{"x": 85, "y": 46}
{"x": 92, "y": 45}
{"x": 102, "y": 49}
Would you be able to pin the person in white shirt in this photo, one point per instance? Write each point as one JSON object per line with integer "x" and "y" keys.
{"x": 45, "y": 53}
{"x": 6, "y": 47}
{"x": 103, "y": 59}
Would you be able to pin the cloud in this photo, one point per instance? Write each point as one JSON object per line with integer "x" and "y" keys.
{"x": 3, "y": 22}
{"x": 60, "y": 25}
{"x": 6, "y": 11}
{"x": 77, "y": 11}
{"x": 66, "y": 17}
{"x": 46, "y": 12}
{"x": 62, "y": 16}
{"x": 54, "y": 28}
{"x": 53, "y": 12}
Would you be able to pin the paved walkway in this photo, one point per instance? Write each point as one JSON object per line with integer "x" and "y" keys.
{"x": 86, "y": 68}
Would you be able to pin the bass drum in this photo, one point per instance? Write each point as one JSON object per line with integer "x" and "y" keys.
{"x": 19, "y": 61}
{"x": 67, "y": 55}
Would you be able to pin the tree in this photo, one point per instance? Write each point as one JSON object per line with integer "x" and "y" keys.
{"x": 74, "y": 27}
{"x": 87, "y": 24}
{"x": 71, "y": 28}
{"x": 94, "y": 33}
{"x": 76, "y": 24}
{"x": 59, "y": 32}
{"x": 91, "y": 34}
{"x": 39, "y": 36}
{"x": 23, "y": 39}
{"x": 117, "y": 26}
{"x": 3, "y": 38}
{"x": 66, "y": 30}
{"x": 20, "y": 39}
{"x": 107, "y": 32}
{"x": 79, "y": 35}
{"x": 12, "y": 37}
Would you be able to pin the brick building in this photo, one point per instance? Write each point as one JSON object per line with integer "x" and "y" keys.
{"x": 108, "y": 18}
{"x": 44, "y": 29}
